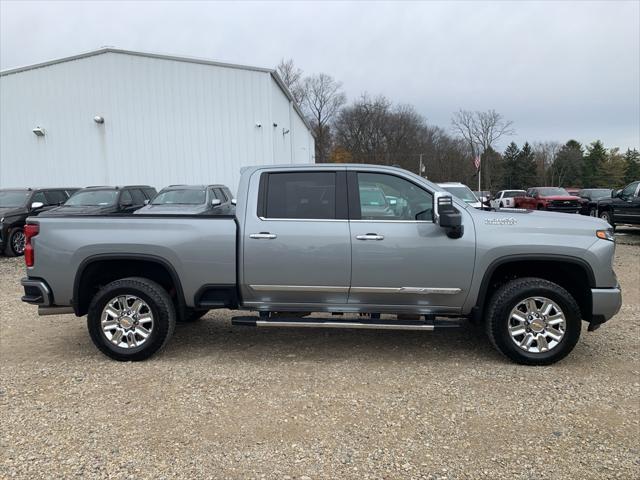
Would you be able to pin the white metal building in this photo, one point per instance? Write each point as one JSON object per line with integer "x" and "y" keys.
{"x": 115, "y": 117}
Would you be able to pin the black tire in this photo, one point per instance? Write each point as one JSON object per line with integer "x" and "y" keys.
{"x": 160, "y": 304}
{"x": 607, "y": 216}
{"x": 15, "y": 242}
{"x": 191, "y": 315}
{"x": 508, "y": 296}
{"x": 501, "y": 205}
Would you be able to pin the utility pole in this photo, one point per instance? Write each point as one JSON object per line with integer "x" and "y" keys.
{"x": 421, "y": 166}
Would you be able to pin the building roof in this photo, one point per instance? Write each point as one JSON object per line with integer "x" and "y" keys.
{"x": 176, "y": 58}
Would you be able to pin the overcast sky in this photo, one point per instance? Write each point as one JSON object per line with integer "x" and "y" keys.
{"x": 559, "y": 70}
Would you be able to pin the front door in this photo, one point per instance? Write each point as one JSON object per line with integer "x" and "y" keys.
{"x": 296, "y": 245}
{"x": 626, "y": 206}
{"x": 400, "y": 256}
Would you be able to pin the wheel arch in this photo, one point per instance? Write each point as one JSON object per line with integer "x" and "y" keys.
{"x": 572, "y": 273}
{"x": 100, "y": 269}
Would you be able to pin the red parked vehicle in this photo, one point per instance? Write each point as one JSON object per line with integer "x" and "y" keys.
{"x": 554, "y": 199}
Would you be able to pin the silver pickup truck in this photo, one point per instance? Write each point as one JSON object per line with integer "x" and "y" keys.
{"x": 370, "y": 246}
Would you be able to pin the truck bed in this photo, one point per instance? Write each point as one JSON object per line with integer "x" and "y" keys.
{"x": 201, "y": 250}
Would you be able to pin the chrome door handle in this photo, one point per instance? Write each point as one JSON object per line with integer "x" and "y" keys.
{"x": 264, "y": 235}
{"x": 370, "y": 236}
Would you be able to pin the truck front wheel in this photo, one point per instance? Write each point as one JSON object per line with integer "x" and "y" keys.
{"x": 533, "y": 321}
{"x": 131, "y": 319}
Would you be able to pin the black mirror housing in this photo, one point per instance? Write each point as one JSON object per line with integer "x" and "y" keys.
{"x": 449, "y": 217}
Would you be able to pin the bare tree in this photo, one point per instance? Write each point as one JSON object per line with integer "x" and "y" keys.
{"x": 291, "y": 76}
{"x": 545, "y": 154}
{"x": 323, "y": 100}
{"x": 481, "y": 131}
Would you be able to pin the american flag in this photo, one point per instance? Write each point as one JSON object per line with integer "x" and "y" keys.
{"x": 476, "y": 162}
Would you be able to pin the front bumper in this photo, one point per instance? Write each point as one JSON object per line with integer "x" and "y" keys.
{"x": 606, "y": 302}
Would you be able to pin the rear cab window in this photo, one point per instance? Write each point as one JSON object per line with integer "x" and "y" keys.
{"x": 303, "y": 195}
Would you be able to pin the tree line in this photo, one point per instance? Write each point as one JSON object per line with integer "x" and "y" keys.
{"x": 372, "y": 129}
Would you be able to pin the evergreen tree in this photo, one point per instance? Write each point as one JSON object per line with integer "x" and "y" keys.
{"x": 510, "y": 160}
{"x": 594, "y": 162}
{"x": 526, "y": 167}
{"x": 568, "y": 165}
{"x": 632, "y": 166}
{"x": 611, "y": 173}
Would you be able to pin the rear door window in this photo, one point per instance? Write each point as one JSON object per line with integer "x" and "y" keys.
{"x": 300, "y": 195}
{"x": 56, "y": 197}
{"x": 138, "y": 196}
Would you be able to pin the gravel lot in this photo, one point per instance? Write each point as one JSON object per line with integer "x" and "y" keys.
{"x": 223, "y": 402}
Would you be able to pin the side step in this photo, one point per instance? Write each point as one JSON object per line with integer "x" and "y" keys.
{"x": 371, "y": 324}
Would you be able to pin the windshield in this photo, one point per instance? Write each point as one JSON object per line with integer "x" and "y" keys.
{"x": 92, "y": 198}
{"x": 372, "y": 197}
{"x": 13, "y": 198}
{"x": 550, "y": 191}
{"x": 180, "y": 197}
{"x": 462, "y": 192}
{"x": 596, "y": 193}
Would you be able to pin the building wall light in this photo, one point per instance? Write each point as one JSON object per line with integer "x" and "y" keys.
{"x": 39, "y": 131}
{"x": 98, "y": 119}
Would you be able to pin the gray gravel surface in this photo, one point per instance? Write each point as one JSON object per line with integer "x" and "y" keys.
{"x": 228, "y": 402}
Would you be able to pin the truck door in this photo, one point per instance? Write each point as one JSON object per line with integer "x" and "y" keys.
{"x": 399, "y": 255}
{"x": 296, "y": 248}
{"x": 626, "y": 206}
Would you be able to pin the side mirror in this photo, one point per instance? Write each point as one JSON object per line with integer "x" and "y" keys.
{"x": 233, "y": 201}
{"x": 36, "y": 205}
{"x": 215, "y": 202}
{"x": 447, "y": 215}
{"x": 146, "y": 202}
{"x": 615, "y": 193}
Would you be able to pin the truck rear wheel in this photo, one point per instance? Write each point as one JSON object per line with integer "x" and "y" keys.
{"x": 533, "y": 321}
{"x": 15, "y": 242}
{"x": 131, "y": 319}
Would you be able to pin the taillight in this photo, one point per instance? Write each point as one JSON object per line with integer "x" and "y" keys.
{"x": 30, "y": 231}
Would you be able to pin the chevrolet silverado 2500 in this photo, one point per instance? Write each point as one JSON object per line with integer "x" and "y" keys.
{"x": 314, "y": 239}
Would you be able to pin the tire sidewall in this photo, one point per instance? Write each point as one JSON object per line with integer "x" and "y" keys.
{"x": 572, "y": 329}
{"x": 607, "y": 216}
{"x": 14, "y": 231}
{"x": 155, "y": 341}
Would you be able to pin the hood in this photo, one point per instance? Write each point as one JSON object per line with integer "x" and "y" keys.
{"x": 11, "y": 211}
{"x": 540, "y": 221}
{"x": 79, "y": 210}
{"x": 562, "y": 197}
{"x": 172, "y": 210}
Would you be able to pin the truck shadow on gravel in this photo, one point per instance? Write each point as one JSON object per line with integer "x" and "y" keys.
{"x": 214, "y": 338}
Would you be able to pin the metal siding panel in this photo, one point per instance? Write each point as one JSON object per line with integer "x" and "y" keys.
{"x": 166, "y": 122}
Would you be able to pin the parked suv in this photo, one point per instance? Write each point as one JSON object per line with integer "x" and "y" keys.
{"x": 18, "y": 204}
{"x": 622, "y": 207}
{"x": 105, "y": 200}
{"x": 191, "y": 200}
{"x": 506, "y": 198}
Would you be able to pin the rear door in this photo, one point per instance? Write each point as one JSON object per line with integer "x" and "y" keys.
{"x": 296, "y": 243}
{"x": 399, "y": 255}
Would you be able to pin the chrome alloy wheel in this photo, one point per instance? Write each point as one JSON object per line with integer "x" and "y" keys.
{"x": 537, "y": 324}
{"x": 18, "y": 242}
{"x": 127, "y": 321}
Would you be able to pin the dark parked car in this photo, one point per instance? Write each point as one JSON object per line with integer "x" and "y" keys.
{"x": 623, "y": 206}
{"x": 105, "y": 201}
{"x": 191, "y": 200}
{"x": 590, "y": 197}
{"x": 18, "y": 204}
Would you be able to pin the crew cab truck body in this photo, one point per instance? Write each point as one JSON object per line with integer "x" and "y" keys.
{"x": 553, "y": 199}
{"x": 302, "y": 241}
